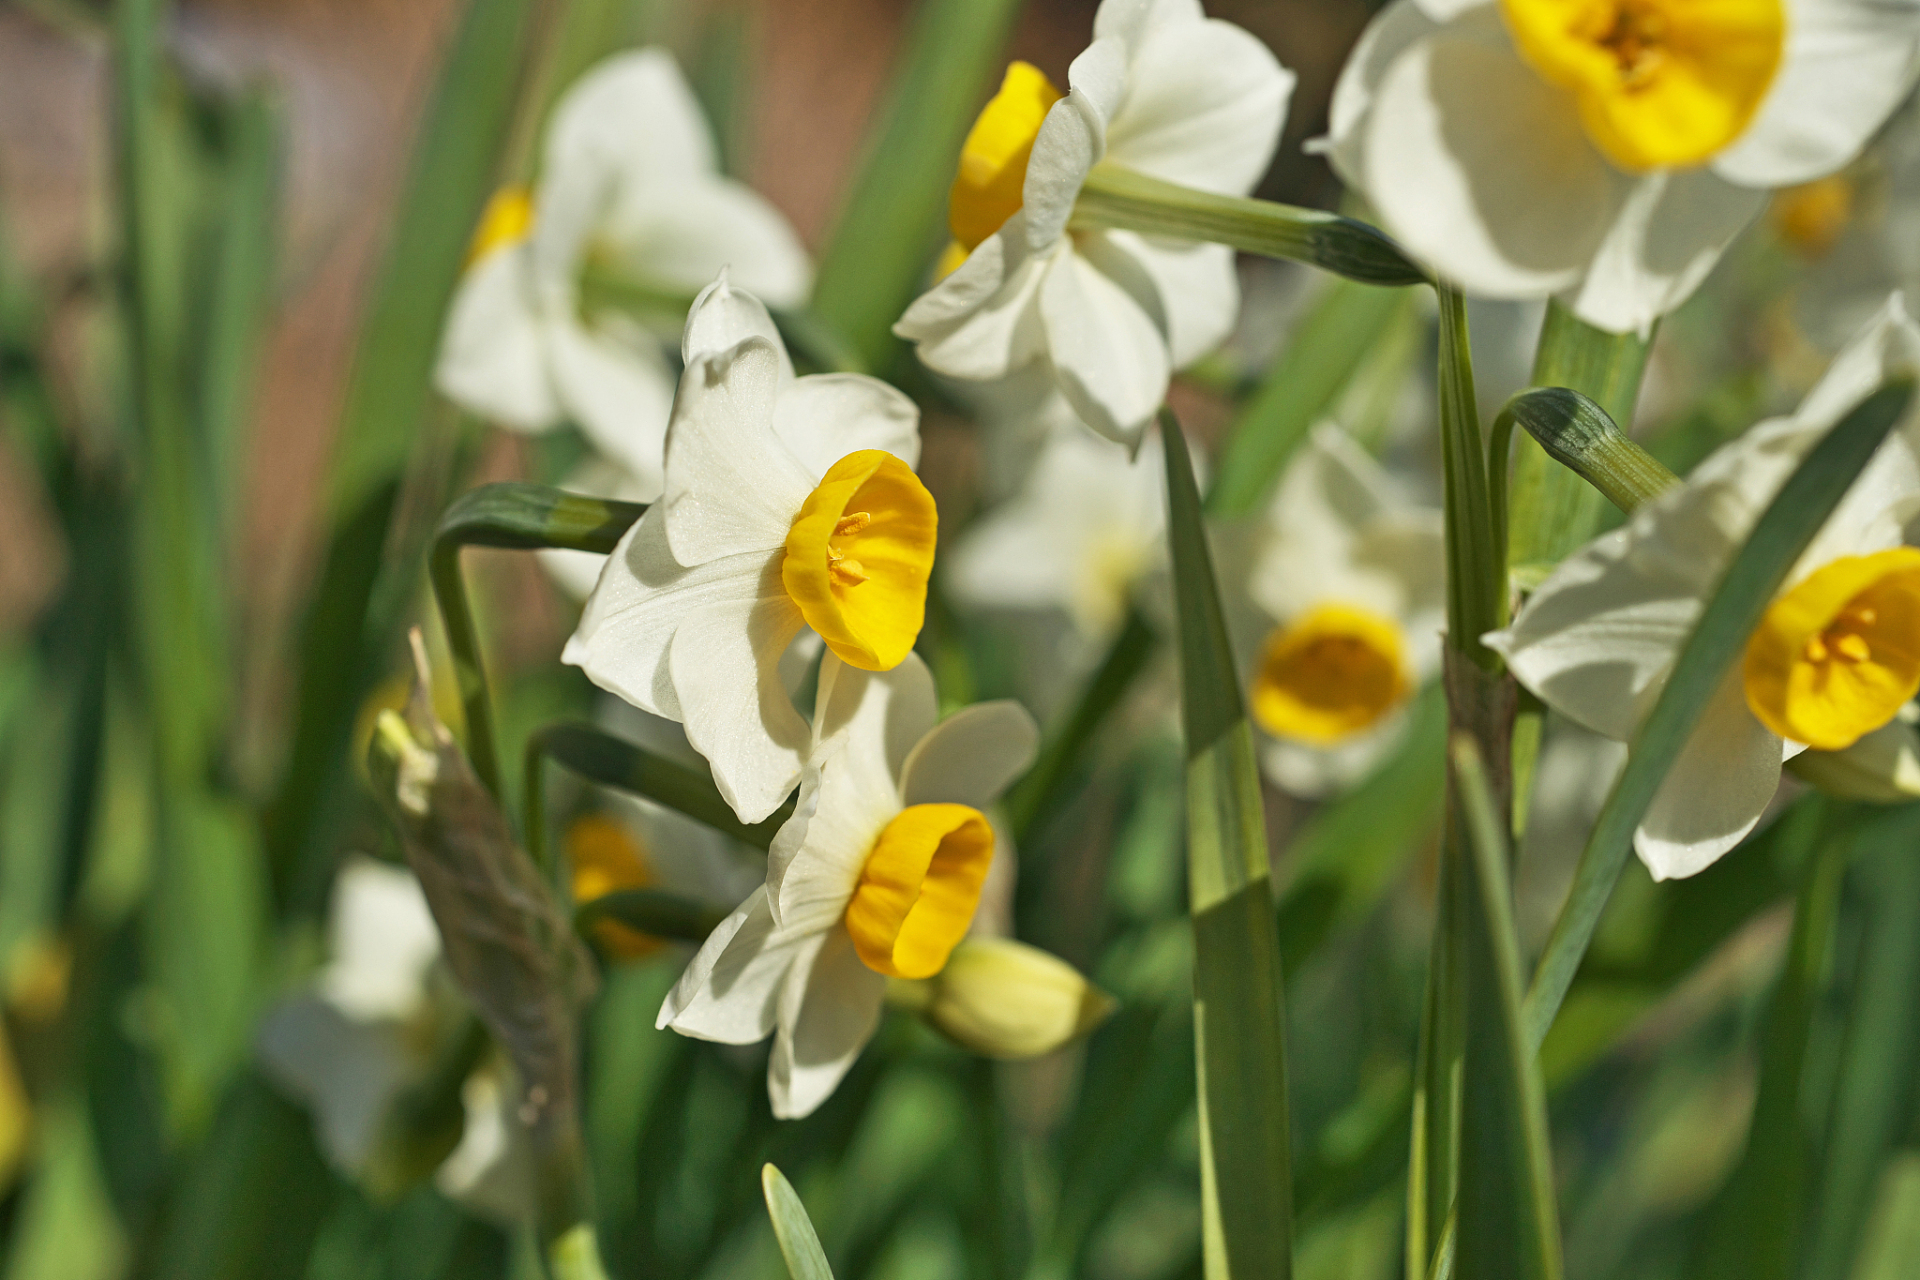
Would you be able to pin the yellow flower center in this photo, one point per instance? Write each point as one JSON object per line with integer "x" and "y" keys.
{"x": 993, "y": 163}
{"x": 1660, "y": 83}
{"x": 919, "y": 888}
{"x": 1836, "y": 657}
{"x": 606, "y": 857}
{"x": 858, "y": 558}
{"x": 1330, "y": 674}
{"x": 1812, "y": 216}
{"x": 506, "y": 220}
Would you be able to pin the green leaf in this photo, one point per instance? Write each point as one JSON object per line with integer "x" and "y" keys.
{"x": 344, "y": 646}
{"x": 652, "y": 911}
{"x": 1238, "y": 994}
{"x": 1322, "y": 354}
{"x": 1119, "y": 199}
{"x": 516, "y": 517}
{"x": 1748, "y": 586}
{"x": 1507, "y": 1222}
{"x": 1553, "y": 512}
{"x": 1578, "y": 434}
{"x": 600, "y": 757}
{"x": 799, "y": 1245}
{"x": 894, "y": 217}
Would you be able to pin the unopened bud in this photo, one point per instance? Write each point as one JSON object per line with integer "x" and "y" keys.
{"x": 1882, "y": 768}
{"x": 1004, "y": 999}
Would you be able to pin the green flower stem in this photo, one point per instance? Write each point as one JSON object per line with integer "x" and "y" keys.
{"x": 516, "y": 517}
{"x": 1117, "y": 199}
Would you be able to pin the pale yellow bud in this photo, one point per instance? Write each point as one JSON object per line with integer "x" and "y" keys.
{"x": 1004, "y": 999}
{"x": 1883, "y": 767}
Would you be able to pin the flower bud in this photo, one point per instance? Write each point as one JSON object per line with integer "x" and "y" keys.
{"x": 1004, "y": 999}
{"x": 1882, "y": 768}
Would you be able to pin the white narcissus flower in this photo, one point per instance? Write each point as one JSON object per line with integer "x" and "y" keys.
{"x": 1353, "y": 577}
{"x": 1076, "y": 538}
{"x": 876, "y": 875}
{"x": 628, "y": 178}
{"x": 1164, "y": 91}
{"x": 788, "y": 503}
{"x": 1835, "y": 658}
{"x": 1606, "y": 150}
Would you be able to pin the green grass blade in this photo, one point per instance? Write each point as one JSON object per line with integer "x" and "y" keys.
{"x": 1782, "y": 533}
{"x": 652, "y": 911}
{"x": 1507, "y": 1224}
{"x": 1322, "y": 354}
{"x": 600, "y": 757}
{"x": 799, "y": 1243}
{"x": 894, "y": 218}
{"x": 342, "y": 650}
{"x": 1240, "y": 1041}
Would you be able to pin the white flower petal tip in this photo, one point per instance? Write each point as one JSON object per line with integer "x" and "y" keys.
{"x": 1499, "y": 149}
{"x": 1162, "y": 90}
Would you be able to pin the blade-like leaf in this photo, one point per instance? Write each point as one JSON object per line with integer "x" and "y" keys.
{"x": 1782, "y": 533}
{"x": 894, "y": 217}
{"x": 1322, "y": 353}
{"x": 1240, "y": 1042}
{"x": 600, "y": 757}
{"x": 799, "y": 1244}
{"x": 654, "y": 911}
{"x": 1507, "y": 1222}
{"x": 516, "y": 517}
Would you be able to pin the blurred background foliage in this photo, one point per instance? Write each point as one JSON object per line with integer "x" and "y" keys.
{"x": 228, "y": 233}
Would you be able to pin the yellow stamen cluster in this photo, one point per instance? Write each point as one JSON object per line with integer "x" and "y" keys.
{"x": 987, "y": 190}
{"x": 1333, "y": 673}
{"x": 507, "y": 220}
{"x": 919, "y": 889}
{"x": 1660, "y": 83}
{"x": 1839, "y": 655}
{"x": 858, "y": 558}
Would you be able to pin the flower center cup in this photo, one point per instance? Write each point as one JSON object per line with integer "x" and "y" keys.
{"x": 1836, "y": 657}
{"x": 919, "y": 888}
{"x": 1660, "y": 83}
{"x": 507, "y": 220}
{"x": 858, "y": 558}
{"x": 1331, "y": 674}
{"x": 987, "y": 190}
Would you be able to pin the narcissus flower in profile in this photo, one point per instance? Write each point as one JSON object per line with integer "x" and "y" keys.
{"x": 876, "y": 875}
{"x": 1351, "y": 574}
{"x": 788, "y": 503}
{"x": 1606, "y": 150}
{"x": 1164, "y": 91}
{"x": 1832, "y": 663}
{"x": 629, "y": 181}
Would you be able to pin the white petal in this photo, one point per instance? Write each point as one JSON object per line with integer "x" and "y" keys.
{"x": 493, "y": 352}
{"x": 382, "y": 940}
{"x": 1108, "y": 355}
{"x": 725, "y": 665}
{"x": 1847, "y": 64}
{"x": 617, "y": 388}
{"x": 1669, "y": 233}
{"x": 828, "y": 1010}
{"x": 731, "y": 485}
{"x": 731, "y": 990}
{"x": 1072, "y": 139}
{"x": 1482, "y": 168}
{"x": 1190, "y": 290}
{"x": 1017, "y": 557}
{"x": 1138, "y": 21}
{"x": 1717, "y": 790}
{"x": 983, "y": 321}
{"x": 1204, "y": 106}
{"x": 642, "y": 597}
{"x": 349, "y": 1072}
{"x": 678, "y": 234}
{"x": 1314, "y": 772}
{"x": 972, "y": 756}
{"x": 578, "y": 572}
{"x": 724, "y": 316}
{"x": 826, "y": 416}
{"x": 1600, "y": 636}
{"x": 1447, "y": 10}
{"x": 1329, "y": 494}
{"x": 1393, "y": 30}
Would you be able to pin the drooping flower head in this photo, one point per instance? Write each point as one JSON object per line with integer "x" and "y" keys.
{"x": 1606, "y": 149}
{"x": 522, "y": 347}
{"x": 1163, "y": 90}
{"x": 876, "y": 875}
{"x": 1834, "y": 660}
{"x": 1353, "y": 577}
{"x": 788, "y": 503}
